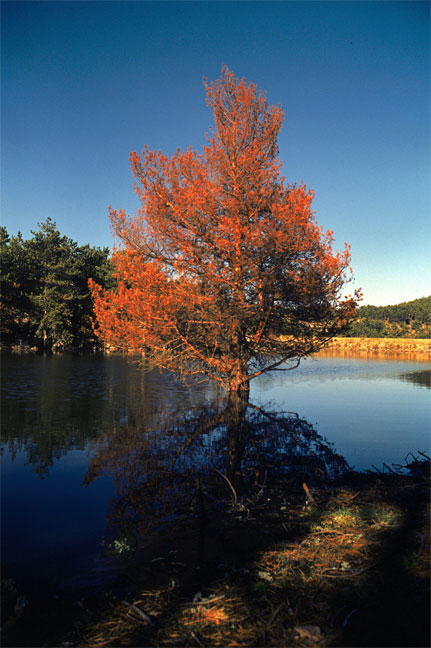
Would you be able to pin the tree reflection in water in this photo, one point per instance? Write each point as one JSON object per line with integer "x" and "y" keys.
{"x": 420, "y": 378}
{"x": 190, "y": 461}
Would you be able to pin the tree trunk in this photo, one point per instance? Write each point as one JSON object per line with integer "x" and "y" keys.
{"x": 238, "y": 385}
{"x": 237, "y": 427}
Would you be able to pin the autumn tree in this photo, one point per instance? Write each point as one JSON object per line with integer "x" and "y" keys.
{"x": 224, "y": 270}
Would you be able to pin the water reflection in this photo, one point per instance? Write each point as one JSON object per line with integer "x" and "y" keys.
{"x": 180, "y": 464}
{"x": 52, "y": 405}
{"x": 66, "y": 417}
{"x": 419, "y": 378}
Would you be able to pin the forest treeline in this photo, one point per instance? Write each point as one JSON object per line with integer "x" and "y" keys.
{"x": 45, "y": 300}
{"x": 46, "y": 304}
{"x": 410, "y": 319}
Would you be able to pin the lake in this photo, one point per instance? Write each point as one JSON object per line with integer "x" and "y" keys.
{"x": 88, "y": 442}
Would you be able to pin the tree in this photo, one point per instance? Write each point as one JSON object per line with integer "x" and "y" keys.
{"x": 45, "y": 300}
{"x": 224, "y": 270}
{"x": 16, "y": 285}
{"x": 88, "y": 262}
{"x": 62, "y": 303}
{"x": 52, "y": 258}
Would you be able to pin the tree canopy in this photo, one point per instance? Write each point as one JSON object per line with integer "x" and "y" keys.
{"x": 408, "y": 319}
{"x": 45, "y": 300}
{"x": 224, "y": 271}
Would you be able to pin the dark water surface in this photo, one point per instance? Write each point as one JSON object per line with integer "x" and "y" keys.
{"x": 88, "y": 441}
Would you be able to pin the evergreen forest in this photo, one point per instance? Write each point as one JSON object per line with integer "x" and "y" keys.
{"x": 45, "y": 300}
{"x": 410, "y": 319}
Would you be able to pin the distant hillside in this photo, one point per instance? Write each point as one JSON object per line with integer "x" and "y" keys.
{"x": 409, "y": 319}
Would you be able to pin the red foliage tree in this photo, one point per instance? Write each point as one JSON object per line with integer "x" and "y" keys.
{"x": 224, "y": 271}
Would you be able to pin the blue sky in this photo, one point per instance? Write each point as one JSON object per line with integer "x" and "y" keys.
{"x": 85, "y": 83}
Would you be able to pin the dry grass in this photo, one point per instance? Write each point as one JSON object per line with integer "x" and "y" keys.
{"x": 221, "y": 619}
{"x": 318, "y": 579}
{"x": 380, "y": 347}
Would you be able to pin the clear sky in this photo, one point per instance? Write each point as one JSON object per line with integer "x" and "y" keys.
{"x": 85, "y": 83}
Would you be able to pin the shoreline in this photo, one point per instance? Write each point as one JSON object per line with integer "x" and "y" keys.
{"x": 347, "y": 345}
{"x": 374, "y": 347}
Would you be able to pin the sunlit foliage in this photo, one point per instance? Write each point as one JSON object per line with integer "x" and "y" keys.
{"x": 224, "y": 271}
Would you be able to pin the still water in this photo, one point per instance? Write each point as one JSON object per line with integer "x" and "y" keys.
{"x": 87, "y": 442}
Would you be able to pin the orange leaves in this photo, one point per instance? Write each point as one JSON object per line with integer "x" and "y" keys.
{"x": 223, "y": 258}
